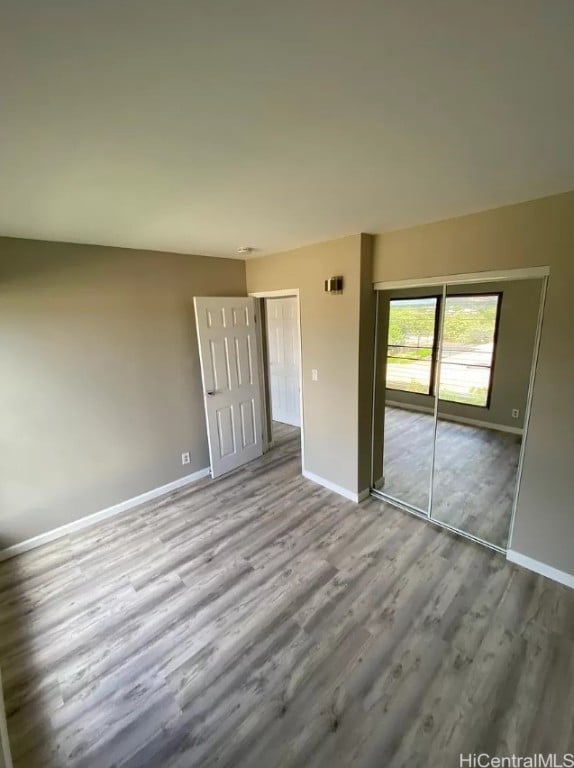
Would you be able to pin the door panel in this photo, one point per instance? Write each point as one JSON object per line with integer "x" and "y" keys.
{"x": 226, "y": 332}
{"x": 247, "y": 423}
{"x": 243, "y": 357}
{"x": 283, "y": 346}
{"x": 225, "y": 431}
{"x": 218, "y": 365}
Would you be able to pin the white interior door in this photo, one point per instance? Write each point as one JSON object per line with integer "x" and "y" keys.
{"x": 283, "y": 350}
{"x": 227, "y": 337}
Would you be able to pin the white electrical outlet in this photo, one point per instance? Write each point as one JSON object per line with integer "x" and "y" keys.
{"x": 515, "y": 413}
{"x": 314, "y": 375}
{"x": 185, "y": 458}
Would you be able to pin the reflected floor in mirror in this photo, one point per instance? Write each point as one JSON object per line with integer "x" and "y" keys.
{"x": 407, "y": 459}
{"x": 475, "y": 471}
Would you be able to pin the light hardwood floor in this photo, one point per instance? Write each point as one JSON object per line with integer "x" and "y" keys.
{"x": 260, "y": 620}
{"x": 475, "y": 471}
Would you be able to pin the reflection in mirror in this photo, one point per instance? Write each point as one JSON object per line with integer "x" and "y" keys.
{"x": 484, "y": 363}
{"x": 407, "y": 353}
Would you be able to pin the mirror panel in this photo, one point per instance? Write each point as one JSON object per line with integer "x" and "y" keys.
{"x": 407, "y": 333}
{"x": 483, "y": 373}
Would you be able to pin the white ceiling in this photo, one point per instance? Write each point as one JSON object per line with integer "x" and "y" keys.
{"x": 206, "y": 125}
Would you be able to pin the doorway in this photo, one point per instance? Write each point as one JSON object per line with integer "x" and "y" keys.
{"x": 281, "y": 369}
{"x": 284, "y": 365}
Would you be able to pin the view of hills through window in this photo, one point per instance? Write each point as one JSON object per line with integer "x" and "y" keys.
{"x": 412, "y": 331}
{"x": 467, "y": 354}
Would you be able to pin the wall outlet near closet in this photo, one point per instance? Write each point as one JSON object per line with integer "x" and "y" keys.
{"x": 185, "y": 458}
{"x": 515, "y": 413}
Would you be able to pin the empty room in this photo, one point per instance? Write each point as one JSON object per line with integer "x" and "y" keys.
{"x": 286, "y": 378}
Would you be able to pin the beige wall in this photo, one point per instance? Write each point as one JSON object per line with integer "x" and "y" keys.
{"x": 540, "y": 232}
{"x": 100, "y": 388}
{"x": 330, "y": 340}
{"x": 514, "y": 349}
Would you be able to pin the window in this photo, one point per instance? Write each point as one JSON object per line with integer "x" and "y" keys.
{"x": 468, "y": 342}
{"x": 468, "y": 346}
{"x": 411, "y": 345}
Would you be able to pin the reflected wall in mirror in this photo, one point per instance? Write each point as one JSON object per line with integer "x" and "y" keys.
{"x": 407, "y": 353}
{"x": 484, "y": 363}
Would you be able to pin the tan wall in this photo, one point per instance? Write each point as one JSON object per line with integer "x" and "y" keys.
{"x": 540, "y": 232}
{"x": 100, "y": 386}
{"x": 514, "y": 349}
{"x": 330, "y": 331}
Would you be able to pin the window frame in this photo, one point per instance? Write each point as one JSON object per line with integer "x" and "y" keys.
{"x": 435, "y": 346}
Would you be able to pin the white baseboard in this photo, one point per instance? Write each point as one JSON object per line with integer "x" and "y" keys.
{"x": 457, "y": 419}
{"x": 96, "y": 517}
{"x": 483, "y": 424}
{"x": 544, "y": 570}
{"x": 409, "y": 406}
{"x": 351, "y": 495}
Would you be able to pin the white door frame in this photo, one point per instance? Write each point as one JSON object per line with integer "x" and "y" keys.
{"x": 284, "y": 292}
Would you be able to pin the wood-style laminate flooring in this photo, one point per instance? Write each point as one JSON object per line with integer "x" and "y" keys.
{"x": 475, "y": 471}
{"x": 260, "y": 620}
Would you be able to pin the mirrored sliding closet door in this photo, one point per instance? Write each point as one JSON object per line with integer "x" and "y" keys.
{"x": 485, "y": 357}
{"x": 407, "y": 342}
{"x": 454, "y": 367}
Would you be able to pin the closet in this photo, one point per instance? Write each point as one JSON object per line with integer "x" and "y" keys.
{"x": 454, "y": 366}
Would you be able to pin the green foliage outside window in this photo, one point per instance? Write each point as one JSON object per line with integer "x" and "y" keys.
{"x": 411, "y": 324}
{"x": 467, "y": 346}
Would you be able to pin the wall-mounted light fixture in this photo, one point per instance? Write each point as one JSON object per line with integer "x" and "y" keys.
{"x": 334, "y": 284}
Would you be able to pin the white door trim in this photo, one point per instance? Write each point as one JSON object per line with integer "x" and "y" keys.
{"x": 526, "y": 273}
{"x": 274, "y": 295}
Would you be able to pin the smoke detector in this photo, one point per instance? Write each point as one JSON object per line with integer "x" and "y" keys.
{"x": 245, "y": 250}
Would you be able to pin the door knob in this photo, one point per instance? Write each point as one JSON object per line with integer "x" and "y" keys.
{"x": 211, "y": 392}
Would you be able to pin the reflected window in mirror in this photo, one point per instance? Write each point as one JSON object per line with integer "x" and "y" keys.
{"x": 412, "y": 339}
{"x": 470, "y": 328}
